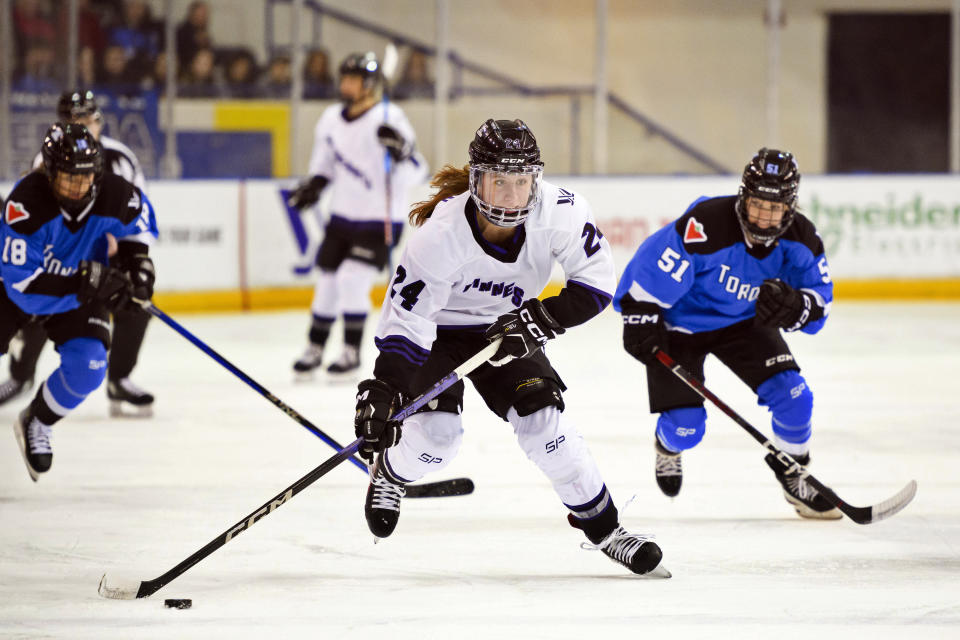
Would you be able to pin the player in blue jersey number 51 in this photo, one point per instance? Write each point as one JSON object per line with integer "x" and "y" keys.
{"x": 725, "y": 278}
{"x": 54, "y": 270}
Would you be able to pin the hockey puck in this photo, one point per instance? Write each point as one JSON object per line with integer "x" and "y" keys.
{"x": 184, "y": 603}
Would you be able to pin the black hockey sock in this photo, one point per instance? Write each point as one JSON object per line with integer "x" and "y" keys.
{"x": 129, "y": 327}
{"x": 597, "y": 519}
{"x": 24, "y": 367}
{"x": 320, "y": 330}
{"x": 40, "y": 410}
{"x": 353, "y": 328}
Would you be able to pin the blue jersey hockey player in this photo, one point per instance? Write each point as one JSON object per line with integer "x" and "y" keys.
{"x": 53, "y": 268}
{"x": 725, "y": 278}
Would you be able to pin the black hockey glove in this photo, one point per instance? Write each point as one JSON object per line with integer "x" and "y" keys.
{"x": 524, "y": 332}
{"x": 376, "y": 403}
{"x": 99, "y": 283}
{"x": 395, "y": 143}
{"x": 781, "y": 306}
{"x": 133, "y": 260}
{"x": 644, "y": 331}
{"x": 307, "y": 193}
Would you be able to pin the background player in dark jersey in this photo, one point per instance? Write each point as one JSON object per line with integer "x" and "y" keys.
{"x": 53, "y": 270}
{"x": 725, "y": 278}
{"x": 489, "y": 239}
{"x": 350, "y": 140}
{"x": 129, "y": 323}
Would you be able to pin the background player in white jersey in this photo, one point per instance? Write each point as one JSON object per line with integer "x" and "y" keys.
{"x": 489, "y": 239}
{"x": 129, "y": 322}
{"x": 725, "y": 278}
{"x": 348, "y": 153}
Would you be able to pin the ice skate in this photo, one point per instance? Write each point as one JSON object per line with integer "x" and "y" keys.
{"x": 14, "y": 388}
{"x": 669, "y": 470}
{"x": 33, "y": 439}
{"x": 347, "y": 365}
{"x": 805, "y": 499}
{"x": 637, "y": 552}
{"x": 128, "y": 400}
{"x": 382, "y": 506}
{"x": 308, "y": 362}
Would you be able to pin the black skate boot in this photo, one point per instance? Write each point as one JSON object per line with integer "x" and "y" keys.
{"x": 128, "y": 400}
{"x": 14, "y": 388}
{"x": 382, "y": 506}
{"x": 669, "y": 470}
{"x": 33, "y": 438}
{"x": 636, "y": 552}
{"x": 348, "y": 363}
{"x": 805, "y": 499}
{"x": 310, "y": 360}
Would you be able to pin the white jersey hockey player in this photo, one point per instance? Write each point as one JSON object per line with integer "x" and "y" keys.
{"x": 490, "y": 237}
{"x": 365, "y": 149}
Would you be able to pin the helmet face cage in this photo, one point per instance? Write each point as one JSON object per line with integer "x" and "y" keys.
{"x": 77, "y": 104}
{"x": 507, "y": 148}
{"x": 771, "y": 175}
{"x": 494, "y": 211}
{"x": 71, "y": 148}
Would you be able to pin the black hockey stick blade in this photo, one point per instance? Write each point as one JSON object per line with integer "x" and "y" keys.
{"x": 441, "y": 489}
{"x": 877, "y": 512}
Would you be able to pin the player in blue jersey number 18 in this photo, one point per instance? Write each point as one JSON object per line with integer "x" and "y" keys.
{"x": 54, "y": 271}
{"x": 724, "y": 279}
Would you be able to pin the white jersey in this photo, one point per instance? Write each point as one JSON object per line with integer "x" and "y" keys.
{"x": 348, "y": 154}
{"x": 118, "y": 159}
{"x": 448, "y": 276}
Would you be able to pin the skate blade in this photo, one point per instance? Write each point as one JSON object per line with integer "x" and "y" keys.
{"x": 22, "y": 445}
{"x": 660, "y": 572}
{"x": 303, "y": 376}
{"x": 121, "y": 409}
{"x": 806, "y": 512}
{"x": 350, "y": 377}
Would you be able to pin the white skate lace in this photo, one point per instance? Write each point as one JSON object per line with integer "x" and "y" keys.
{"x": 130, "y": 388}
{"x": 9, "y": 389}
{"x": 348, "y": 358}
{"x": 801, "y": 489}
{"x": 668, "y": 465}
{"x": 386, "y": 495}
{"x": 619, "y": 545}
{"x": 312, "y": 355}
{"x": 38, "y": 435}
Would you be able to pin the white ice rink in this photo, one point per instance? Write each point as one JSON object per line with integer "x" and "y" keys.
{"x": 135, "y": 497}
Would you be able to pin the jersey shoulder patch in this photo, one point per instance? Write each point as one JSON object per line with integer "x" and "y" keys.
{"x": 709, "y": 225}
{"x": 15, "y": 212}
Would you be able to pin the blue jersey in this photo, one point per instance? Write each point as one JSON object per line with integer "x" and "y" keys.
{"x": 42, "y": 246}
{"x": 701, "y": 271}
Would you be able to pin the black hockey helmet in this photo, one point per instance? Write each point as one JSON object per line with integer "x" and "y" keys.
{"x": 77, "y": 104}
{"x": 771, "y": 175}
{"x": 504, "y": 147}
{"x": 364, "y": 65}
{"x": 71, "y": 148}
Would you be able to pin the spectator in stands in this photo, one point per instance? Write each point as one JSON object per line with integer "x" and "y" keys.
{"x": 90, "y": 32}
{"x": 317, "y": 82}
{"x": 31, "y": 23}
{"x": 415, "y": 81}
{"x": 278, "y": 78}
{"x": 114, "y": 72}
{"x": 139, "y": 34}
{"x": 38, "y": 72}
{"x": 200, "y": 79}
{"x": 193, "y": 33}
{"x": 86, "y": 67}
{"x": 241, "y": 75}
{"x": 156, "y": 78}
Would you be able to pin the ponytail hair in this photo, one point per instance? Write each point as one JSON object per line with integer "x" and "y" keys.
{"x": 449, "y": 181}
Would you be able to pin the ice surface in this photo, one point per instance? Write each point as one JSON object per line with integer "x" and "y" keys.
{"x": 134, "y": 497}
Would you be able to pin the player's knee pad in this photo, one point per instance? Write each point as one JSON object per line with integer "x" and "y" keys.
{"x": 324, "y": 302}
{"x": 790, "y": 400}
{"x": 354, "y": 281}
{"x": 535, "y": 394}
{"x": 83, "y": 366}
{"x": 429, "y": 442}
{"x": 558, "y": 449}
{"x": 683, "y": 428}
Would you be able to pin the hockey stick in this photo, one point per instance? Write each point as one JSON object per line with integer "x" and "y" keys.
{"x": 860, "y": 515}
{"x": 132, "y": 590}
{"x": 441, "y": 488}
{"x": 388, "y": 68}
